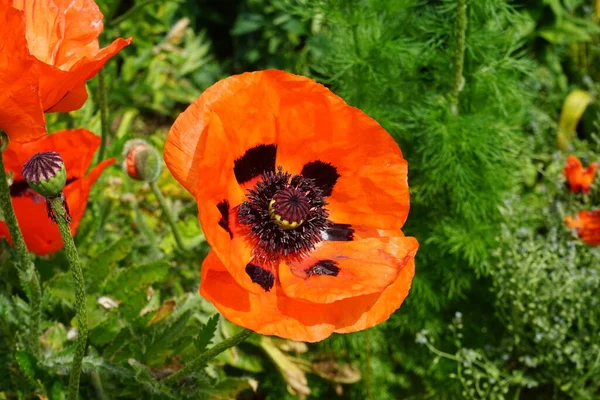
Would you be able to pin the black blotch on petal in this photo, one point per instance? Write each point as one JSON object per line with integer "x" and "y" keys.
{"x": 339, "y": 233}
{"x": 324, "y": 174}
{"x": 255, "y": 162}
{"x": 259, "y": 275}
{"x": 224, "y": 221}
{"x": 324, "y": 267}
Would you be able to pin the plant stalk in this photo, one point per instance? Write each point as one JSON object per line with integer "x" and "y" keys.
{"x": 459, "y": 54}
{"x": 28, "y": 275}
{"x": 60, "y": 215}
{"x": 104, "y": 123}
{"x": 209, "y": 354}
{"x": 168, "y": 215}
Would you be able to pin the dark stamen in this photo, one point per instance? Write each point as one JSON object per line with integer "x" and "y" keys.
{"x": 259, "y": 275}
{"x": 223, "y": 207}
{"x": 324, "y": 174}
{"x": 324, "y": 267}
{"x": 255, "y": 162}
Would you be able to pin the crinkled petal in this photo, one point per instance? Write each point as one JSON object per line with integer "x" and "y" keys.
{"x": 362, "y": 266}
{"x": 273, "y": 313}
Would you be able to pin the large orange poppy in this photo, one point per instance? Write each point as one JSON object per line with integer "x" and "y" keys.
{"x": 49, "y": 48}
{"x": 302, "y": 198}
{"x": 587, "y": 224}
{"x": 77, "y": 148}
{"x": 580, "y": 179}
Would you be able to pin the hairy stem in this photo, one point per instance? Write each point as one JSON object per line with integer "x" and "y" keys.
{"x": 60, "y": 215}
{"x": 209, "y": 354}
{"x": 28, "y": 275}
{"x": 168, "y": 215}
{"x": 104, "y": 124}
{"x": 459, "y": 53}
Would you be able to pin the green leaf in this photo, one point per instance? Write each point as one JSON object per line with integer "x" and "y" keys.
{"x": 101, "y": 265}
{"x": 131, "y": 280}
{"x": 247, "y": 23}
{"x": 27, "y": 363}
{"x": 207, "y": 333}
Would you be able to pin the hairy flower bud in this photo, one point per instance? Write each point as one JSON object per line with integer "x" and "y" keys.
{"x": 45, "y": 173}
{"x": 142, "y": 161}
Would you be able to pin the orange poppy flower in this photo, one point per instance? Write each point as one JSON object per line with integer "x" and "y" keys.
{"x": 587, "y": 224}
{"x": 40, "y": 233}
{"x": 302, "y": 198}
{"x": 579, "y": 179}
{"x": 49, "y": 49}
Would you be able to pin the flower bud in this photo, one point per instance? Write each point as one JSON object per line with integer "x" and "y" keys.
{"x": 45, "y": 173}
{"x": 142, "y": 161}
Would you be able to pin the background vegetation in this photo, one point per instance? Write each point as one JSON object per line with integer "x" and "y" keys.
{"x": 505, "y": 302}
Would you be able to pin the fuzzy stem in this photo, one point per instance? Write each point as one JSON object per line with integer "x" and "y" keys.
{"x": 104, "y": 124}
{"x": 60, "y": 216}
{"x": 28, "y": 275}
{"x": 168, "y": 215}
{"x": 209, "y": 354}
{"x": 459, "y": 53}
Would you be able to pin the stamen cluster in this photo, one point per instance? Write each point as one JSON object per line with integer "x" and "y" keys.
{"x": 299, "y": 200}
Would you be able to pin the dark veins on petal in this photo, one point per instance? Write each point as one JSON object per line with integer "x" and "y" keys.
{"x": 339, "y": 233}
{"x": 324, "y": 267}
{"x": 324, "y": 174}
{"x": 259, "y": 275}
{"x": 224, "y": 221}
{"x": 255, "y": 162}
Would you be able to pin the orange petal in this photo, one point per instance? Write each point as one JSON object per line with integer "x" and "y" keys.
{"x": 272, "y": 313}
{"x": 587, "y": 224}
{"x": 56, "y": 84}
{"x": 366, "y": 266}
{"x": 21, "y": 112}
{"x": 73, "y": 100}
{"x": 240, "y": 112}
{"x": 84, "y": 142}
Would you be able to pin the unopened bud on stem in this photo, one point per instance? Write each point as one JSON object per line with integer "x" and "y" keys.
{"x": 46, "y": 173}
{"x": 142, "y": 161}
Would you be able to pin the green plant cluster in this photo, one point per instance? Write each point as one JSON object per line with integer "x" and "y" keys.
{"x": 504, "y": 304}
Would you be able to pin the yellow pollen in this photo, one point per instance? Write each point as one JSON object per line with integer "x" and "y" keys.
{"x": 284, "y": 224}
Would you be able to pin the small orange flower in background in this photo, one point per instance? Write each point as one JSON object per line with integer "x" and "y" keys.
{"x": 580, "y": 179}
{"x": 49, "y": 49}
{"x": 77, "y": 148}
{"x": 587, "y": 224}
{"x": 302, "y": 198}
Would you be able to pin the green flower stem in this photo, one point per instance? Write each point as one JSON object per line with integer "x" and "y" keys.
{"x": 104, "y": 124}
{"x": 168, "y": 215}
{"x": 209, "y": 354}
{"x": 459, "y": 53}
{"x": 60, "y": 216}
{"x": 27, "y": 272}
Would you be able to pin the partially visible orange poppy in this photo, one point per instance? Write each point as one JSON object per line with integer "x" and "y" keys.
{"x": 580, "y": 179}
{"x": 77, "y": 148}
{"x": 587, "y": 224}
{"x": 49, "y": 49}
{"x": 302, "y": 198}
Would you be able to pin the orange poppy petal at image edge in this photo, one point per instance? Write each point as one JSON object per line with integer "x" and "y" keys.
{"x": 21, "y": 111}
{"x": 273, "y": 313}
